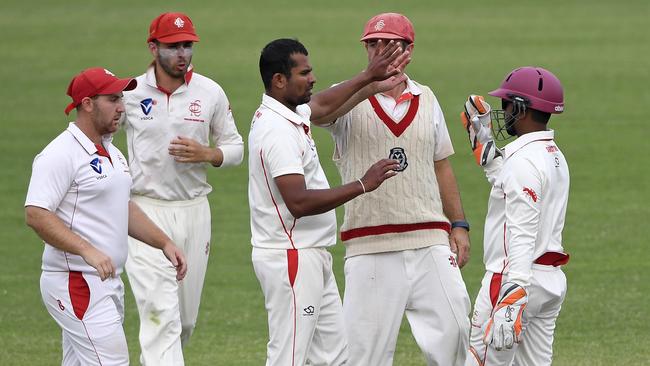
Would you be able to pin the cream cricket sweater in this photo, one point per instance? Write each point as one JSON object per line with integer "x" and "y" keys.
{"x": 405, "y": 212}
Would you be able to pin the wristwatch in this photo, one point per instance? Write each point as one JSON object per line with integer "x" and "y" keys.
{"x": 460, "y": 223}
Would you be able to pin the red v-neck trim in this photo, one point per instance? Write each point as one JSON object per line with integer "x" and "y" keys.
{"x": 396, "y": 128}
{"x": 102, "y": 152}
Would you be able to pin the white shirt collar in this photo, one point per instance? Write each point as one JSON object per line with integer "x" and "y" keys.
{"x": 524, "y": 140}
{"x": 84, "y": 141}
{"x": 279, "y": 108}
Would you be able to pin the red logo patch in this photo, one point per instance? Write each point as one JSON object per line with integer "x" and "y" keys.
{"x": 452, "y": 261}
{"x": 195, "y": 108}
{"x": 551, "y": 149}
{"x": 531, "y": 193}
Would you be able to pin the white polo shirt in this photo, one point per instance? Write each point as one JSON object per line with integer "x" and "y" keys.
{"x": 88, "y": 192}
{"x": 198, "y": 109}
{"x": 527, "y": 206}
{"x": 280, "y": 143}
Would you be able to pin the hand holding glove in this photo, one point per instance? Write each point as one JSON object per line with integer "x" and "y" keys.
{"x": 477, "y": 122}
{"x": 503, "y": 329}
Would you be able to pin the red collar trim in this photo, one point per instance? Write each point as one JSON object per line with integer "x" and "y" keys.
{"x": 102, "y": 152}
{"x": 396, "y": 128}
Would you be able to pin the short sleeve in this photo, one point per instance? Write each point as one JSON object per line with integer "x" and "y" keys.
{"x": 52, "y": 177}
{"x": 443, "y": 145}
{"x": 282, "y": 152}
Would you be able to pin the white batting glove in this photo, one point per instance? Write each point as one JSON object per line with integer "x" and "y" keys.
{"x": 503, "y": 329}
{"x": 477, "y": 122}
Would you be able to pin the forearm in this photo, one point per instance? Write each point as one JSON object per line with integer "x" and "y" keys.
{"x": 308, "y": 202}
{"x": 449, "y": 194}
{"x": 142, "y": 228}
{"x": 328, "y": 101}
{"x": 361, "y": 95}
{"x": 53, "y": 231}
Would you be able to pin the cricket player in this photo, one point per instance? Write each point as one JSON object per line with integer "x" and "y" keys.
{"x": 406, "y": 241}
{"x": 523, "y": 288}
{"x": 178, "y": 124}
{"x": 292, "y": 204}
{"x": 78, "y": 203}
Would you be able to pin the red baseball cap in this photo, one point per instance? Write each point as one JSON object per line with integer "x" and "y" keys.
{"x": 96, "y": 81}
{"x": 389, "y": 26}
{"x": 172, "y": 28}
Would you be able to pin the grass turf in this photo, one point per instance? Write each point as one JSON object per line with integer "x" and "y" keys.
{"x": 599, "y": 49}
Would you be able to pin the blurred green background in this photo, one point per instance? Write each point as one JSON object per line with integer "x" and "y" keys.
{"x": 599, "y": 49}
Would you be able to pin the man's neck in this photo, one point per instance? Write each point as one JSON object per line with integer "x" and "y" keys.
{"x": 166, "y": 81}
{"x": 396, "y": 92}
{"x": 86, "y": 126}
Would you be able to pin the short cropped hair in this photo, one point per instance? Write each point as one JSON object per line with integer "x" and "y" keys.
{"x": 276, "y": 58}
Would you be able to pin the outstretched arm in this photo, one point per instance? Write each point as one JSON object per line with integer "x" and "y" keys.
{"x": 306, "y": 202}
{"x": 387, "y": 62}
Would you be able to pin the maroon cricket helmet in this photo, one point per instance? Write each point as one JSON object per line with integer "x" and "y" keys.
{"x": 539, "y": 87}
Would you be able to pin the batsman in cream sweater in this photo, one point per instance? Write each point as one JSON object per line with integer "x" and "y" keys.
{"x": 405, "y": 241}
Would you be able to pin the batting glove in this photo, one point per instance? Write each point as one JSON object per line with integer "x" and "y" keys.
{"x": 477, "y": 122}
{"x": 503, "y": 329}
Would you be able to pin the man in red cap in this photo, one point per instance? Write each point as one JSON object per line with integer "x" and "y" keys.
{"x": 78, "y": 203}
{"x": 178, "y": 124}
{"x": 406, "y": 241}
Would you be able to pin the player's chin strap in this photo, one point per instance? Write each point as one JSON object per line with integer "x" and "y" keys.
{"x": 504, "y": 328}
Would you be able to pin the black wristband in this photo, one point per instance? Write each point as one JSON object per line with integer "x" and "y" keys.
{"x": 460, "y": 223}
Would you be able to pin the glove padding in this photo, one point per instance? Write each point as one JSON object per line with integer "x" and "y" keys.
{"x": 503, "y": 329}
{"x": 477, "y": 122}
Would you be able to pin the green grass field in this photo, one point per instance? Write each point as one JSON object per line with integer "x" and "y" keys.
{"x": 597, "y": 48}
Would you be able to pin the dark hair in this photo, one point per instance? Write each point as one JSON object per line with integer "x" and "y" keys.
{"x": 276, "y": 58}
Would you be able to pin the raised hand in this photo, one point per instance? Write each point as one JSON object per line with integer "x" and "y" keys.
{"x": 387, "y": 61}
{"x": 476, "y": 120}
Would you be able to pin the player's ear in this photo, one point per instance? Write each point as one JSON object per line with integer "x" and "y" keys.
{"x": 153, "y": 48}
{"x": 86, "y": 104}
{"x": 279, "y": 81}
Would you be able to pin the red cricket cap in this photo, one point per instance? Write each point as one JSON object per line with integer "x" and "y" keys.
{"x": 389, "y": 26}
{"x": 172, "y": 28}
{"x": 96, "y": 81}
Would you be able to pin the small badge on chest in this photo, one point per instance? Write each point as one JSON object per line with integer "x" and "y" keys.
{"x": 399, "y": 154}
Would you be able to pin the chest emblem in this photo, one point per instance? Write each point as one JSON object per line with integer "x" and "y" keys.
{"x": 195, "y": 108}
{"x": 146, "y": 105}
{"x": 399, "y": 154}
{"x": 96, "y": 165}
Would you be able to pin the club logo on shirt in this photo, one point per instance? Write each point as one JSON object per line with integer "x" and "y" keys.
{"x": 146, "y": 105}
{"x": 308, "y": 311}
{"x": 195, "y": 108}
{"x": 96, "y": 164}
{"x": 399, "y": 154}
{"x": 531, "y": 193}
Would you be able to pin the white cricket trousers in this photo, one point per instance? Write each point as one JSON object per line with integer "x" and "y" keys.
{"x": 90, "y": 313}
{"x": 168, "y": 309}
{"x": 545, "y": 296}
{"x": 304, "y": 307}
{"x": 426, "y": 285}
